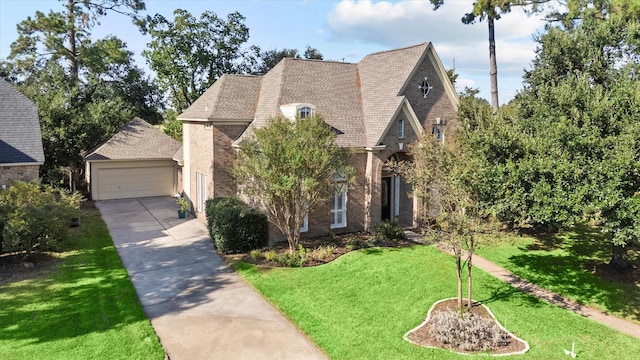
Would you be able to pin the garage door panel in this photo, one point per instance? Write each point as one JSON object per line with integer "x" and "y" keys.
{"x": 121, "y": 183}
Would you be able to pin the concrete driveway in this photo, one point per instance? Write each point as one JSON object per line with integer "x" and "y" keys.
{"x": 198, "y": 306}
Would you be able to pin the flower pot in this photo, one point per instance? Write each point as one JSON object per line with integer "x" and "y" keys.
{"x": 181, "y": 214}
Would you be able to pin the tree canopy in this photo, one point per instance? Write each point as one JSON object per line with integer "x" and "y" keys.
{"x": 291, "y": 166}
{"x": 270, "y": 58}
{"x": 85, "y": 89}
{"x": 189, "y": 54}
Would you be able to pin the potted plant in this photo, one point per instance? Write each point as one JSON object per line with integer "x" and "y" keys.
{"x": 184, "y": 206}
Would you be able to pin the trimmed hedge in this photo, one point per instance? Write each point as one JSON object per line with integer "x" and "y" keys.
{"x": 234, "y": 226}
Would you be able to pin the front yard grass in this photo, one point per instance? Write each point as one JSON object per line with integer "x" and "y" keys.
{"x": 360, "y": 306}
{"x": 85, "y": 307}
{"x": 573, "y": 264}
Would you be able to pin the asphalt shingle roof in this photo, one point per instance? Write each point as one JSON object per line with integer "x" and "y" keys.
{"x": 137, "y": 140}
{"x": 358, "y": 100}
{"x": 20, "y": 137}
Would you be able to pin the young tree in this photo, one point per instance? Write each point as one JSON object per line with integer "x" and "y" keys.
{"x": 189, "y": 54}
{"x": 290, "y": 167}
{"x": 438, "y": 172}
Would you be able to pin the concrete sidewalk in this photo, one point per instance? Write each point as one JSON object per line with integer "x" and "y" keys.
{"x": 505, "y": 275}
{"x": 198, "y": 306}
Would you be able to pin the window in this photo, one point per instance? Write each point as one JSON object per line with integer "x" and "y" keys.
{"x": 305, "y": 223}
{"x": 401, "y": 128}
{"x": 201, "y": 191}
{"x": 339, "y": 207}
{"x": 305, "y": 112}
{"x": 438, "y": 132}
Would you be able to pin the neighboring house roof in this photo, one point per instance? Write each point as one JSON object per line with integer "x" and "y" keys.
{"x": 358, "y": 100}
{"x": 138, "y": 140}
{"x": 20, "y": 137}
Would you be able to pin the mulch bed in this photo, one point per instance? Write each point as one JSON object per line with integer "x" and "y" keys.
{"x": 339, "y": 242}
{"x": 423, "y": 337}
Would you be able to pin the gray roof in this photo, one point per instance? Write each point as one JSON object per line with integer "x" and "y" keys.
{"x": 20, "y": 137}
{"x": 358, "y": 100}
{"x": 232, "y": 97}
{"x": 138, "y": 140}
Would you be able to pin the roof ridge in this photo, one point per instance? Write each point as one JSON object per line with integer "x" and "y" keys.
{"x": 399, "y": 49}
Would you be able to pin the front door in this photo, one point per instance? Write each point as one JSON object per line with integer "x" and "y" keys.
{"x": 386, "y": 198}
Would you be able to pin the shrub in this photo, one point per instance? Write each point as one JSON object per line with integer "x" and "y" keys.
{"x": 390, "y": 230}
{"x": 321, "y": 252}
{"x": 35, "y": 217}
{"x": 234, "y": 226}
{"x": 256, "y": 254}
{"x": 270, "y": 255}
{"x": 295, "y": 259}
{"x": 468, "y": 333}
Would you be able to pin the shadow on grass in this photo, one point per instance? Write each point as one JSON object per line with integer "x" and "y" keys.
{"x": 569, "y": 270}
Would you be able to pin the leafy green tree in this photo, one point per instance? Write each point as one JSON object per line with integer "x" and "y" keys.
{"x": 290, "y": 167}
{"x": 85, "y": 89}
{"x": 437, "y": 173}
{"x": 566, "y": 148}
{"x": 189, "y": 54}
{"x": 271, "y": 58}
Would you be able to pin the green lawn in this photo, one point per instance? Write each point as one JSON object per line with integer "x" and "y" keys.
{"x": 565, "y": 264}
{"x": 86, "y": 308}
{"x": 360, "y": 305}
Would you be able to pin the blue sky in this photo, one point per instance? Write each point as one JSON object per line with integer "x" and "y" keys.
{"x": 344, "y": 30}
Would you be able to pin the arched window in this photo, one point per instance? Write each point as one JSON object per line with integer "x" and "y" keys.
{"x": 304, "y": 112}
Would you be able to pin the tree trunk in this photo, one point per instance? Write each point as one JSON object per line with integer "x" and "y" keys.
{"x": 493, "y": 72}
{"x": 71, "y": 33}
{"x": 469, "y": 282}
{"x": 459, "y": 272}
{"x": 619, "y": 258}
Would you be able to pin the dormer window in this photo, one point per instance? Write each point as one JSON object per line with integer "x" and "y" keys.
{"x": 302, "y": 110}
{"x": 305, "y": 112}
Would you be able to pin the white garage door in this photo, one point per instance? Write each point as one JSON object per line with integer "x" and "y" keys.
{"x": 130, "y": 182}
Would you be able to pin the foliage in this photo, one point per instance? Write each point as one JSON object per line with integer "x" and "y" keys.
{"x": 390, "y": 230}
{"x": 271, "y": 58}
{"x": 467, "y": 333}
{"x": 85, "y": 88}
{"x": 183, "y": 203}
{"x": 293, "y": 259}
{"x": 256, "y": 254}
{"x": 189, "y": 54}
{"x": 567, "y": 147}
{"x": 289, "y": 167}
{"x": 173, "y": 128}
{"x": 35, "y": 218}
{"x": 80, "y": 304}
{"x": 235, "y": 227}
{"x": 321, "y": 252}
{"x": 383, "y": 293}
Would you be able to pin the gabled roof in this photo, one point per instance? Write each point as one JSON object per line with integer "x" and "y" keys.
{"x": 232, "y": 97}
{"x": 20, "y": 137}
{"x": 383, "y": 76}
{"x": 358, "y": 100}
{"x": 138, "y": 140}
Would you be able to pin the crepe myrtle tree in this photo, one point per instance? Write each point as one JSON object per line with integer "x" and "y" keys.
{"x": 289, "y": 167}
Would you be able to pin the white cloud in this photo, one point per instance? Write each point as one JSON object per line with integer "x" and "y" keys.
{"x": 394, "y": 24}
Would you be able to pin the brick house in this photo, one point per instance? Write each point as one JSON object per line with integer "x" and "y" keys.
{"x": 21, "y": 152}
{"x": 377, "y": 106}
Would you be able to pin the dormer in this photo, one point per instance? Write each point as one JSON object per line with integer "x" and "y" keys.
{"x": 303, "y": 110}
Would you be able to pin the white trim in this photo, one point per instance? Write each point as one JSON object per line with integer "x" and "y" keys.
{"x": 396, "y": 195}
{"x": 22, "y": 164}
{"x": 305, "y": 223}
{"x": 201, "y": 191}
{"x": 339, "y": 206}
{"x": 219, "y": 121}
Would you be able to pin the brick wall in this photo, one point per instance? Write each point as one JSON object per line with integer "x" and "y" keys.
{"x": 224, "y": 158}
{"x": 18, "y": 173}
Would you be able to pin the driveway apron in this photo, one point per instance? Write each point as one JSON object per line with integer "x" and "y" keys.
{"x": 199, "y": 307}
